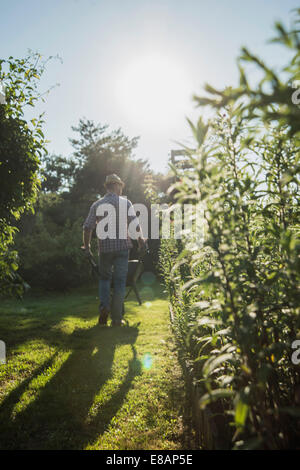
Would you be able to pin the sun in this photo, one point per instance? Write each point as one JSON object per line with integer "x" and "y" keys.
{"x": 153, "y": 91}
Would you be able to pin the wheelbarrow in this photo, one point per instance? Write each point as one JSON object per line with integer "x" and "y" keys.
{"x": 135, "y": 270}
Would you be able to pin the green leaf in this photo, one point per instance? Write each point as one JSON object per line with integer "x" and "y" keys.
{"x": 213, "y": 363}
{"x": 241, "y": 413}
{"x": 215, "y": 395}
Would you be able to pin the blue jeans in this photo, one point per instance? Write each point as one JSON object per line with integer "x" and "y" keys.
{"x": 113, "y": 266}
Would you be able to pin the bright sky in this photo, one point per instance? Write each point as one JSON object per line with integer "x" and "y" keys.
{"x": 135, "y": 64}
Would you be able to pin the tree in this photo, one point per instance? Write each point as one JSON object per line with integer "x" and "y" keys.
{"x": 21, "y": 145}
{"x": 57, "y": 173}
{"x": 99, "y": 152}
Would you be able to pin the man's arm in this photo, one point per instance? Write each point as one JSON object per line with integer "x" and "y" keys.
{"x": 88, "y": 227}
{"x": 87, "y": 235}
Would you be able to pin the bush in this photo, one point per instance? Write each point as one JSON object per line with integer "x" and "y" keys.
{"x": 50, "y": 248}
{"x": 21, "y": 145}
{"x": 236, "y": 305}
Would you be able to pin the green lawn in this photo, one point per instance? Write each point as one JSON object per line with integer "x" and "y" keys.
{"x": 71, "y": 384}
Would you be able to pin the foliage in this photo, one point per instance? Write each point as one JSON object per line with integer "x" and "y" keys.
{"x": 57, "y": 173}
{"x": 99, "y": 152}
{"x": 22, "y": 144}
{"x": 50, "y": 257}
{"x": 236, "y": 303}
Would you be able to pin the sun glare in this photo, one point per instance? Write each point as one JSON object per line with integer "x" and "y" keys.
{"x": 153, "y": 91}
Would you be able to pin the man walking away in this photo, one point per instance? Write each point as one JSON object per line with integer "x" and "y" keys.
{"x": 113, "y": 250}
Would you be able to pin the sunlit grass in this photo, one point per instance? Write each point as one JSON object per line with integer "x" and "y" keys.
{"x": 37, "y": 383}
{"x": 70, "y": 384}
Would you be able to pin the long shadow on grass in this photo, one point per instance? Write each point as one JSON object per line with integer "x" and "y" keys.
{"x": 60, "y": 416}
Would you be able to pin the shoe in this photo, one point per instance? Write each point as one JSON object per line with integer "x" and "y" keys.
{"x": 104, "y": 312}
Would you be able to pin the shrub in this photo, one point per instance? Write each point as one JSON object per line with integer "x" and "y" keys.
{"x": 236, "y": 307}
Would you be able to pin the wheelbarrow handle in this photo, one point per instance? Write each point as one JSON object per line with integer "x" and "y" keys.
{"x": 92, "y": 262}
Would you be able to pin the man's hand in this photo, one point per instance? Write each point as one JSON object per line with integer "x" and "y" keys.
{"x": 142, "y": 245}
{"x": 87, "y": 250}
{"x": 86, "y": 247}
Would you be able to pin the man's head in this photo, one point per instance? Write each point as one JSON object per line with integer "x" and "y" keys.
{"x": 114, "y": 184}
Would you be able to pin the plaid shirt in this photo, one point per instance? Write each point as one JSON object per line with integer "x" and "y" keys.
{"x": 111, "y": 244}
